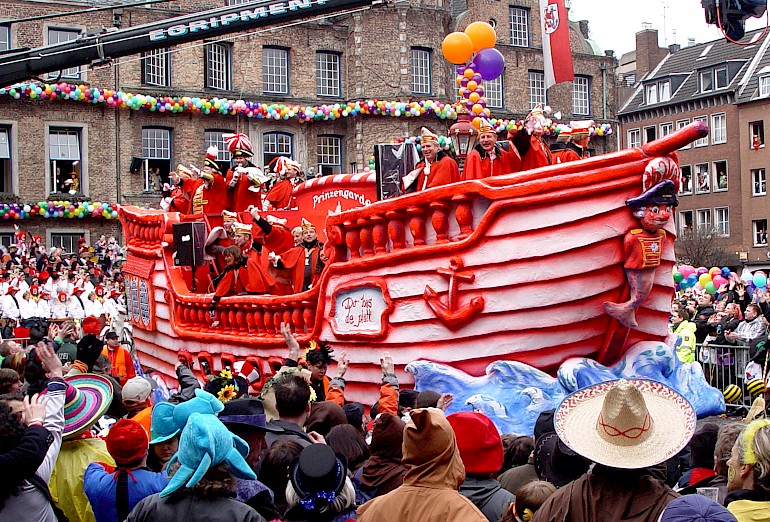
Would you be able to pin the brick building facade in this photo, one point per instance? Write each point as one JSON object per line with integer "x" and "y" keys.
{"x": 390, "y": 52}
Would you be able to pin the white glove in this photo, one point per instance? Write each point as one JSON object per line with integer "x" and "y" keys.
{"x": 273, "y": 258}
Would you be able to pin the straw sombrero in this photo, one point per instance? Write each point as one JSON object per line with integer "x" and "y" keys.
{"x": 88, "y": 397}
{"x": 629, "y": 424}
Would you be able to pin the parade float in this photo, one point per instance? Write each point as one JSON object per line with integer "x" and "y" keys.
{"x": 496, "y": 283}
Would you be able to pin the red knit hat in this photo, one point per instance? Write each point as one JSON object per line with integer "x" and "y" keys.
{"x": 479, "y": 442}
{"x": 91, "y": 325}
{"x": 127, "y": 442}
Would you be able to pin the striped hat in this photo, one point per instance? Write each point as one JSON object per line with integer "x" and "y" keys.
{"x": 428, "y": 136}
{"x": 238, "y": 145}
{"x": 211, "y": 160}
{"x": 88, "y": 397}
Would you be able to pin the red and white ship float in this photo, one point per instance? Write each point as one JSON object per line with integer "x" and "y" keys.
{"x": 513, "y": 267}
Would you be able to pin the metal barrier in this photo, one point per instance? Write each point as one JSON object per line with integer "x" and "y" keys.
{"x": 724, "y": 365}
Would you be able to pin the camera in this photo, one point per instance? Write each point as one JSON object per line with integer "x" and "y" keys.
{"x": 731, "y": 15}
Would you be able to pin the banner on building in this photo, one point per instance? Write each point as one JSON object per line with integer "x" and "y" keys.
{"x": 557, "y": 55}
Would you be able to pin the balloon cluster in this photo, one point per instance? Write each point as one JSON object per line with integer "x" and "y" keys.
{"x": 59, "y": 209}
{"x": 702, "y": 278}
{"x": 444, "y": 142}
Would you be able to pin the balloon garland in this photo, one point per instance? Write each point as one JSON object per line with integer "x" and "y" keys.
{"x": 59, "y": 209}
{"x": 275, "y": 111}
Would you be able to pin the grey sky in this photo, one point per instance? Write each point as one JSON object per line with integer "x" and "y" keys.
{"x": 613, "y": 24}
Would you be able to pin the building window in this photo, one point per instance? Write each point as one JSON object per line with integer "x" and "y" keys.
{"x": 216, "y": 139}
{"x": 701, "y": 142}
{"x": 664, "y": 91}
{"x": 685, "y": 221}
{"x": 722, "y": 221}
{"x": 275, "y": 70}
{"x": 235, "y": 2}
{"x": 581, "y": 98}
{"x": 519, "y": 26}
{"x": 6, "y": 239}
{"x": 5, "y": 37}
{"x": 156, "y": 156}
{"x": 329, "y": 152}
{"x": 686, "y": 188}
{"x": 758, "y": 182}
{"x": 666, "y": 129}
{"x": 634, "y": 138}
{"x": 720, "y": 176}
{"x": 57, "y": 36}
{"x": 680, "y": 124}
{"x": 702, "y": 179}
{"x": 327, "y": 74}
{"x": 759, "y": 227}
{"x": 650, "y": 134}
{"x": 652, "y": 94}
{"x": 757, "y": 131}
{"x": 156, "y": 68}
{"x": 718, "y": 128}
{"x": 537, "y": 90}
{"x": 218, "y": 67}
{"x": 493, "y": 89}
{"x": 67, "y": 242}
{"x": 276, "y": 144}
{"x": 703, "y": 219}
{"x": 764, "y": 86}
{"x": 5, "y": 160}
{"x": 421, "y": 74}
{"x": 720, "y": 78}
{"x": 64, "y": 154}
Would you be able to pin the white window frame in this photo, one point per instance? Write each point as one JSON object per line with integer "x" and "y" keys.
{"x": 216, "y": 138}
{"x": 518, "y": 22}
{"x": 722, "y": 223}
{"x": 764, "y": 85}
{"x": 701, "y": 142}
{"x": 493, "y": 90}
{"x": 538, "y": 94}
{"x": 755, "y": 232}
{"x": 219, "y": 66}
{"x": 716, "y": 78}
{"x": 644, "y": 133}
{"x": 9, "y": 128}
{"x": 156, "y": 145}
{"x": 328, "y": 80}
{"x": 277, "y": 143}
{"x": 697, "y": 176}
{"x": 5, "y": 37}
{"x": 73, "y": 233}
{"x": 757, "y": 128}
{"x": 682, "y": 189}
{"x": 664, "y": 91}
{"x": 666, "y": 129}
{"x": 701, "y": 224}
{"x": 718, "y": 132}
{"x": 759, "y": 182}
{"x": 709, "y": 75}
{"x": 581, "y": 96}
{"x": 156, "y": 67}
{"x": 275, "y": 70}
{"x": 72, "y": 73}
{"x": 651, "y": 93}
{"x": 83, "y": 129}
{"x": 680, "y": 124}
{"x": 634, "y": 137}
{"x": 682, "y": 225}
{"x": 715, "y": 176}
{"x": 421, "y": 60}
{"x": 329, "y": 154}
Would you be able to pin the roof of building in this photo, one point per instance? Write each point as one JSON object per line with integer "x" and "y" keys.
{"x": 683, "y": 67}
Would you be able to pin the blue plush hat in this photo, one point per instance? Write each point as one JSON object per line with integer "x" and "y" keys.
{"x": 204, "y": 444}
{"x": 689, "y": 508}
{"x": 168, "y": 420}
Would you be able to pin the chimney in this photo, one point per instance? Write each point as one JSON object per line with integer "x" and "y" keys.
{"x": 673, "y": 48}
{"x": 583, "y": 28}
{"x": 609, "y": 53}
{"x": 646, "y": 51}
{"x": 690, "y": 42}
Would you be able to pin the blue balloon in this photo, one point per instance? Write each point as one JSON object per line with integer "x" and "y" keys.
{"x": 725, "y": 272}
{"x": 760, "y": 280}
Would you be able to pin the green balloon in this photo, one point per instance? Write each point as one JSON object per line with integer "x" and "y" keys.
{"x": 678, "y": 277}
{"x": 711, "y": 288}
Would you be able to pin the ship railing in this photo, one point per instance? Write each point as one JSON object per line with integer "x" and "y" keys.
{"x": 144, "y": 231}
{"x": 725, "y": 364}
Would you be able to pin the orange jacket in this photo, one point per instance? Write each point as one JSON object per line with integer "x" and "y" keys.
{"x": 122, "y": 365}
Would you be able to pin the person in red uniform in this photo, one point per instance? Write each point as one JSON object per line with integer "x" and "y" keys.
{"x": 303, "y": 263}
{"x": 581, "y": 135}
{"x": 489, "y": 157}
{"x": 210, "y": 197}
{"x": 244, "y": 181}
{"x": 279, "y": 196}
{"x": 642, "y": 248}
{"x": 529, "y": 141}
{"x": 438, "y": 168}
{"x": 562, "y": 151}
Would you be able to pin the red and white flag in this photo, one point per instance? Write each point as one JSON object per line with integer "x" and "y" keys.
{"x": 557, "y": 55}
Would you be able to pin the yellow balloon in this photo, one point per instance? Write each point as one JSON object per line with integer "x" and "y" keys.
{"x": 472, "y": 85}
{"x": 469, "y": 73}
{"x": 459, "y": 79}
{"x": 460, "y": 91}
{"x": 477, "y": 109}
{"x": 482, "y": 35}
{"x": 457, "y": 47}
{"x": 474, "y": 97}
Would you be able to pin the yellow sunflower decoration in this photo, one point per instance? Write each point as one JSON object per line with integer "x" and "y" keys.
{"x": 227, "y": 393}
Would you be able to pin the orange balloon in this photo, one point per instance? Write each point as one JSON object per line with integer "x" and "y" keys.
{"x": 457, "y": 47}
{"x": 472, "y": 85}
{"x": 459, "y": 79}
{"x": 477, "y": 122}
{"x": 469, "y": 73}
{"x": 460, "y": 91}
{"x": 482, "y": 35}
{"x": 477, "y": 109}
{"x": 474, "y": 97}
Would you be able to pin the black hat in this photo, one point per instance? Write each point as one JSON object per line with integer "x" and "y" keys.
{"x": 407, "y": 398}
{"x": 110, "y": 335}
{"x": 318, "y": 475}
{"x": 556, "y": 466}
{"x": 664, "y": 193}
{"x": 246, "y": 413}
{"x": 355, "y": 413}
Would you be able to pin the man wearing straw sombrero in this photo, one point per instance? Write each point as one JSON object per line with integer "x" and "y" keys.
{"x": 626, "y": 427}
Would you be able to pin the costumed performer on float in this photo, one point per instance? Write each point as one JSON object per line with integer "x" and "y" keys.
{"x": 643, "y": 247}
{"x": 562, "y": 151}
{"x": 175, "y": 199}
{"x": 211, "y": 196}
{"x": 305, "y": 262}
{"x": 245, "y": 180}
{"x": 533, "y": 152}
{"x": 438, "y": 168}
{"x": 490, "y": 157}
{"x": 279, "y": 195}
{"x": 254, "y": 279}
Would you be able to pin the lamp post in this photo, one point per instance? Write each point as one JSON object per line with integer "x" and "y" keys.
{"x": 463, "y": 135}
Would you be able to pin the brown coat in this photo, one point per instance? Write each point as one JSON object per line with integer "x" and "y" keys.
{"x": 434, "y": 473}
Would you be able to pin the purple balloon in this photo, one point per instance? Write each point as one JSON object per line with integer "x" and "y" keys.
{"x": 467, "y": 93}
{"x": 477, "y": 78}
{"x": 464, "y": 81}
{"x": 489, "y": 63}
{"x": 460, "y": 70}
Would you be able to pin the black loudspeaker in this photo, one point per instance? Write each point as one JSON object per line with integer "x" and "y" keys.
{"x": 189, "y": 241}
{"x": 136, "y": 165}
{"x": 392, "y": 162}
